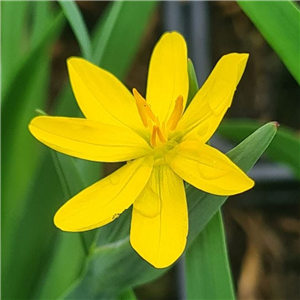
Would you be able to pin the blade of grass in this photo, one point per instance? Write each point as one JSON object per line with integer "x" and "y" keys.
{"x": 31, "y": 245}
{"x": 284, "y": 149}
{"x": 193, "y": 82}
{"x": 114, "y": 35}
{"x": 26, "y": 92}
{"x": 40, "y": 20}
{"x": 63, "y": 268}
{"x": 70, "y": 248}
{"x": 13, "y": 15}
{"x": 78, "y": 26}
{"x": 127, "y": 295}
{"x": 207, "y": 268}
{"x": 278, "y": 22}
{"x": 54, "y": 25}
{"x": 72, "y": 183}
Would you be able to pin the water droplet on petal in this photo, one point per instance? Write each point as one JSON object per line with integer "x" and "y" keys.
{"x": 148, "y": 203}
{"x": 209, "y": 169}
{"x": 114, "y": 179}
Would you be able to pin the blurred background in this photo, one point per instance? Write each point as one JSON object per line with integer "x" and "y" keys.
{"x": 262, "y": 225}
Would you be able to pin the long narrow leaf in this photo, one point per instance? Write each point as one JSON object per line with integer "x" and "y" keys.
{"x": 40, "y": 20}
{"x": 30, "y": 246}
{"x": 78, "y": 26}
{"x": 115, "y": 35}
{"x": 55, "y": 280}
{"x": 284, "y": 149}
{"x": 279, "y": 23}
{"x": 127, "y": 295}
{"x": 13, "y": 15}
{"x": 207, "y": 268}
{"x": 16, "y": 113}
{"x": 26, "y": 92}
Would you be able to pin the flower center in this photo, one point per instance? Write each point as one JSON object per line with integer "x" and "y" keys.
{"x": 158, "y": 132}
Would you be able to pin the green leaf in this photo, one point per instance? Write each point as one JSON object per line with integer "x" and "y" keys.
{"x": 278, "y": 22}
{"x": 193, "y": 82}
{"x": 29, "y": 60}
{"x": 284, "y": 149}
{"x": 27, "y": 92}
{"x": 123, "y": 29}
{"x": 78, "y": 26}
{"x": 72, "y": 183}
{"x": 30, "y": 246}
{"x": 207, "y": 268}
{"x": 63, "y": 267}
{"x": 13, "y": 17}
{"x": 21, "y": 160}
{"x": 127, "y": 295}
{"x": 40, "y": 20}
{"x": 116, "y": 266}
{"x": 55, "y": 280}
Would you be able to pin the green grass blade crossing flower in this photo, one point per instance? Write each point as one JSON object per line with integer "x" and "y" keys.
{"x": 207, "y": 268}
{"x": 279, "y": 23}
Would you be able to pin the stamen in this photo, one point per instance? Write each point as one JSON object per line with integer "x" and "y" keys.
{"x": 141, "y": 104}
{"x": 143, "y": 108}
{"x": 153, "y": 136}
{"x": 160, "y": 135}
{"x": 176, "y": 114}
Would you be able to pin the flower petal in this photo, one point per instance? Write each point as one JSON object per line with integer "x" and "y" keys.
{"x": 105, "y": 200}
{"x": 101, "y": 96}
{"x": 207, "y": 169}
{"x": 159, "y": 230}
{"x": 210, "y": 104}
{"x": 89, "y": 139}
{"x": 168, "y": 77}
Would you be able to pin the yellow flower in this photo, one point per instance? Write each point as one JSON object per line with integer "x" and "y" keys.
{"x": 162, "y": 144}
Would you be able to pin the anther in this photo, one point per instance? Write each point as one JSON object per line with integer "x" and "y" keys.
{"x": 143, "y": 108}
{"x": 176, "y": 114}
{"x": 153, "y": 136}
{"x": 160, "y": 135}
{"x": 141, "y": 104}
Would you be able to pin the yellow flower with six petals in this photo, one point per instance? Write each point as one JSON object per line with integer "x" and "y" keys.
{"x": 162, "y": 143}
